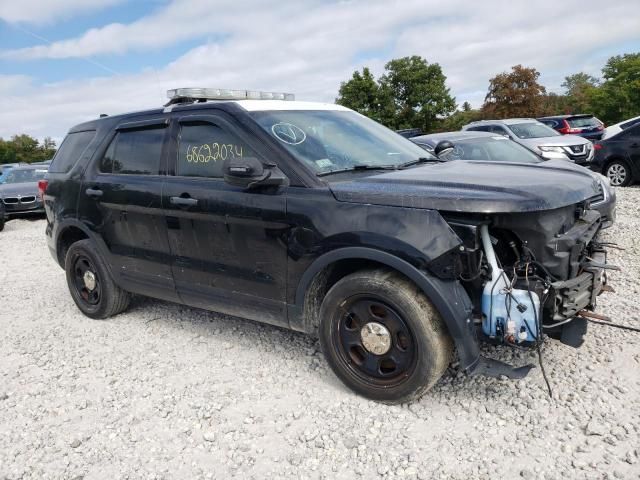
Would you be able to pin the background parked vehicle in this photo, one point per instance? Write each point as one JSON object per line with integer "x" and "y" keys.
{"x": 538, "y": 138}
{"x": 5, "y": 169}
{"x": 585, "y": 125}
{"x": 2, "y": 216}
{"x": 484, "y": 146}
{"x": 618, "y": 157}
{"x": 19, "y": 192}
{"x": 612, "y": 130}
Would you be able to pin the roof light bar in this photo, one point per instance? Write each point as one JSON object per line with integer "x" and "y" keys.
{"x": 225, "y": 94}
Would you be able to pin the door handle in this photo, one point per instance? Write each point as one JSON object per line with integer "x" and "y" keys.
{"x": 634, "y": 145}
{"x": 183, "y": 201}
{"x": 93, "y": 192}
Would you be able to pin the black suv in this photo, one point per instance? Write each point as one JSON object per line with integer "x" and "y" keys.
{"x": 313, "y": 217}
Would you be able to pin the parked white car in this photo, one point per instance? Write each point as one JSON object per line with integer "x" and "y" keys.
{"x": 618, "y": 127}
{"x": 539, "y": 138}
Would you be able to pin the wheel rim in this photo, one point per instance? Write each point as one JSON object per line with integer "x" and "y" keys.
{"x": 86, "y": 281}
{"x": 375, "y": 342}
{"x": 617, "y": 174}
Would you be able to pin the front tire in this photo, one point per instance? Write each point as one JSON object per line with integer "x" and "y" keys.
{"x": 382, "y": 336}
{"x": 618, "y": 173}
{"x": 90, "y": 283}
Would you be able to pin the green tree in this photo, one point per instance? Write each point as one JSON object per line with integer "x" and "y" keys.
{"x": 362, "y": 94}
{"x": 618, "y": 96}
{"x": 24, "y": 148}
{"x": 411, "y": 94}
{"x": 419, "y": 92}
{"x": 458, "y": 119}
{"x": 514, "y": 94}
{"x": 554, "y": 104}
{"x": 578, "y": 88}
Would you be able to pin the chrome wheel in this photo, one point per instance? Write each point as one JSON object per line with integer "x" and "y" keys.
{"x": 617, "y": 174}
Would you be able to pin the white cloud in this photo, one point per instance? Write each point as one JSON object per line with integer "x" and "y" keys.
{"x": 310, "y": 47}
{"x": 46, "y": 11}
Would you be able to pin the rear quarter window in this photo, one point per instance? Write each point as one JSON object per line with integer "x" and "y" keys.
{"x": 72, "y": 148}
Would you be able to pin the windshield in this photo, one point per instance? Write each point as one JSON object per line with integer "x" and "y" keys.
{"x": 533, "y": 130}
{"x": 495, "y": 149}
{"x": 332, "y": 140}
{"x": 24, "y": 176}
{"x": 4, "y": 174}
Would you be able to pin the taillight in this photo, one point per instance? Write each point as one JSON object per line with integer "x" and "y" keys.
{"x": 42, "y": 187}
{"x": 597, "y": 146}
{"x": 566, "y": 130}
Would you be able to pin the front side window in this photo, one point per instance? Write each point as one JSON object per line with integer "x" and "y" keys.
{"x": 333, "y": 140}
{"x": 203, "y": 148}
{"x": 532, "y": 130}
{"x": 134, "y": 152}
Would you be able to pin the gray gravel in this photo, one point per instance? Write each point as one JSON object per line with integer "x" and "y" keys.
{"x": 165, "y": 391}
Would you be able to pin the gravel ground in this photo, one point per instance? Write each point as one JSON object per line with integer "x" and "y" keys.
{"x": 165, "y": 391}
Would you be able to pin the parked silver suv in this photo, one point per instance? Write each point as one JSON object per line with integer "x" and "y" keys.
{"x": 539, "y": 138}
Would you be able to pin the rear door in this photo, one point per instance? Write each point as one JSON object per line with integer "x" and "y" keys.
{"x": 229, "y": 245}
{"x": 121, "y": 199}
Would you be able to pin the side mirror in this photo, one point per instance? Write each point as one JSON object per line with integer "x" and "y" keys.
{"x": 443, "y": 147}
{"x": 249, "y": 172}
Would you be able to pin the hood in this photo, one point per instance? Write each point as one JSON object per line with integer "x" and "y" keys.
{"x": 473, "y": 186}
{"x": 14, "y": 189}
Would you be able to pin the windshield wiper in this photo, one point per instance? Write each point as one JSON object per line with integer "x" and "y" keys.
{"x": 355, "y": 168}
{"x": 420, "y": 160}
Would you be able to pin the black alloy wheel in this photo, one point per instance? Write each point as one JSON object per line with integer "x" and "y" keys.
{"x": 382, "y": 336}
{"x": 375, "y": 342}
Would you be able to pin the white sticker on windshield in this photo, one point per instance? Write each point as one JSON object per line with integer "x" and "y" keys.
{"x": 324, "y": 163}
{"x": 289, "y": 133}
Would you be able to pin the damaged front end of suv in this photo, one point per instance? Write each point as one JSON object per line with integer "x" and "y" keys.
{"x": 528, "y": 254}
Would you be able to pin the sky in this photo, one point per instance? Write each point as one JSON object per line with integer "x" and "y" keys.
{"x": 63, "y": 62}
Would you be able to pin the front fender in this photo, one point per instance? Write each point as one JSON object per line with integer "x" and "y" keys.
{"x": 448, "y": 297}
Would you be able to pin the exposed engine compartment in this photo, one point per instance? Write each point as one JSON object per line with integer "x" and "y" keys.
{"x": 529, "y": 274}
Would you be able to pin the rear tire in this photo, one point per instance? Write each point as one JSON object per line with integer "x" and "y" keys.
{"x": 90, "y": 283}
{"x": 618, "y": 173}
{"x": 382, "y": 336}
{"x": 2, "y": 220}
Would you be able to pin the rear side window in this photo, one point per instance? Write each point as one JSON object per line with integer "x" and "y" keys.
{"x": 203, "y": 148}
{"x": 583, "y": 122}
{"x": 483, "y": 128}
{"x": 630, "y": 123}
{"x": 134, "y": 152}
{"x": 70, "y": 151}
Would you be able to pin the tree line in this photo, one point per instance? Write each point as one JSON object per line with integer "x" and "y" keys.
{"x": 24, "y": 148}
{"x": 412, "y": 93}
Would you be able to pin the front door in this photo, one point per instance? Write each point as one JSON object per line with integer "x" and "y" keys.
{"x": 121, "y": 199}
{"x": 228, "y": 244}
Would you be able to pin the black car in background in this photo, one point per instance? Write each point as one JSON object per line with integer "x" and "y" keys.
{"x": 585, "y": 125}
{"x": 485, "y": 146}
{"x": 618, "y": 157}
{"x": 19, "y": 191}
